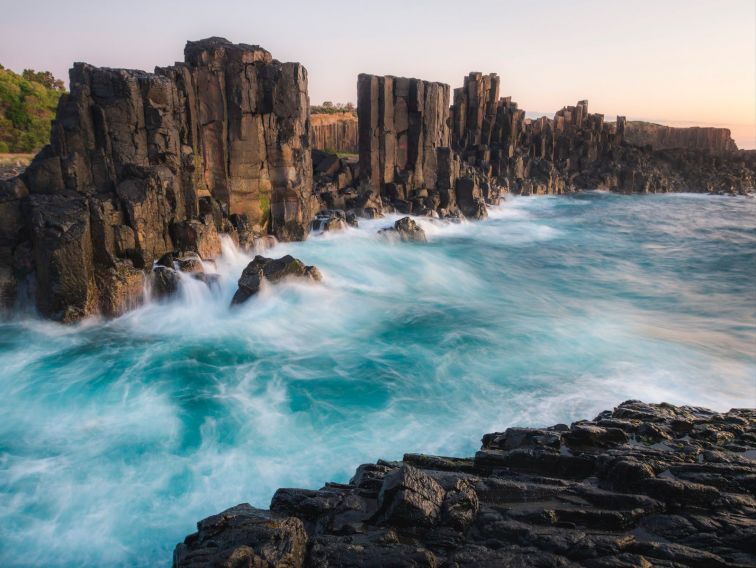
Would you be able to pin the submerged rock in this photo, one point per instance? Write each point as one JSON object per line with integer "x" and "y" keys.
{"x": 591, "y": 494}
{"x": 406, "y": 229}
{"x": 271, "y": 270}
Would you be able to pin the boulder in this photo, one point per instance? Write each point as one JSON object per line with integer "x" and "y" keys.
{"x": 271, "y": 270}
{"x": 409, "y": 497}
{"x": 244, "y": 536}
{"x": 405, "y": 229}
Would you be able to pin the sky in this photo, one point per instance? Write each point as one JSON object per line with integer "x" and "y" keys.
{"x": 676, "y": 62}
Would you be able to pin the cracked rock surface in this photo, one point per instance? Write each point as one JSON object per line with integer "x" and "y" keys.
{"x": 642, "y": 485}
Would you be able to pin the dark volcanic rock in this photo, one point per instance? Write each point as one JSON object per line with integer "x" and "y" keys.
{"x": 249, "y": 537}
{"x": 271, "y": 270}
{"x": 406, "y": 229}
{"x": 140, "y": 164}
{"x": 591, "y": 494}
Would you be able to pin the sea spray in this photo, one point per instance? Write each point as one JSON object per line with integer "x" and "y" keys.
{"x": 116, "y": 436}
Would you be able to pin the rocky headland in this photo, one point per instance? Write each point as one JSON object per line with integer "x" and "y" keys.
{"x": 141, "y": 165}
{"x": 640, "y": 485}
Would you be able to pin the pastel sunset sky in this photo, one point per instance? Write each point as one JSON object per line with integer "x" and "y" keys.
{"x": 677, "y": 62}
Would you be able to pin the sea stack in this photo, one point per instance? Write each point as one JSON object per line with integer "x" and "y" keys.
{"x": 141, "y": 164}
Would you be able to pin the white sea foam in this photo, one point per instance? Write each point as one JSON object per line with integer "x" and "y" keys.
{"x": 115, "y": 437}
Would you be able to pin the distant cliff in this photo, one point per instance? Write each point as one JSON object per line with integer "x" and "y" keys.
{"x": 659, "y": 137}
{"x": 335, "y": 132}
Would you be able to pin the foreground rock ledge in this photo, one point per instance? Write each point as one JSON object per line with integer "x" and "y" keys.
{"x": 643, "y": 485}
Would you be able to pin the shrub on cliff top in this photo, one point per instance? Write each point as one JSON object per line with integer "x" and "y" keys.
{"x": 332, "y": 108}
{"x": 27, "y": 107}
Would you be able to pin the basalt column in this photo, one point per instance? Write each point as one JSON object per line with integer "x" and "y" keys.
{"x": 249, "y": 130}
{"x": 141, "y": 164}
{"x": 404, "y": 139}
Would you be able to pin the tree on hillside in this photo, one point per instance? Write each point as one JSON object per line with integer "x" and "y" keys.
{"x": 27, "y": 107}
{"x": 45, "y": 78}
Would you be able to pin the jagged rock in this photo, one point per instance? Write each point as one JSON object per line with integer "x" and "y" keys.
{"x": 164, "y": 282}
{"x": 244, "y": 536}
{"x": 271, "y": 270}
{"x": 409, "y": 497}
{"x": 201, "y": 237}
{"x": 590, "y": 494}
{"x": 406, "y": 229}
{"x": 63, "y": 256}
{"x": 140, "y": 164}
{"x": 121, "y": 288}
{"x": 470, "y": 198}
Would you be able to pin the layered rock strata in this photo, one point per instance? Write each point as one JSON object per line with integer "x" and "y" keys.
{"x": 335, "y": 132}
{"x": 140, "y": 164}
{"x": 712, "y": 140}
{"x": 642, "y": 485}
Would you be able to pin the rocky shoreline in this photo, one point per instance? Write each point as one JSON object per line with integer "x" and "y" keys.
{"x": 141, "y": 165}
{"x": 641, "y": 485}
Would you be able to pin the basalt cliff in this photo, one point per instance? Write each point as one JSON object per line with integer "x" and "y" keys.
{"x": 642, "y": 485}
{"x": 146, "y": 171}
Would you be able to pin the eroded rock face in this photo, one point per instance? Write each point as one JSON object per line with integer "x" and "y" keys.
{"x": 271, "y": 270}
{"x": 140, "y": 164}
{"x": 335, "y": 132}
{"x": 642, "y": 485}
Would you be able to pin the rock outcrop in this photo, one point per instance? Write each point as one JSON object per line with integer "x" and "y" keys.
{"x": 336, "y": 132}
{"x": 140, "y": 164}
{"x": 271, "y": 270}
{"x": 405, "y": 229}
{"x": 711, "y": 140}
{"x": 579, "y": 150}
{"x": 642, "y": 485}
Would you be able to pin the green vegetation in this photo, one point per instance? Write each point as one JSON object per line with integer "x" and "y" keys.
{"x": 330, "y": 108}
{"x": 27, "y": 107}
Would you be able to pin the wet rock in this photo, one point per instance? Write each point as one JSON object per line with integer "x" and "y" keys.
{"x": 140, "y": 164}
{"x": 590, "y": 494}
{"x": 271, "y": 270}
{"x": 244, "y": 536}
{"x": 333, "y": 220}
{"x": 164, "y": 282}
{"x": 409, "y": 497}
{"x": 405, "y": 229}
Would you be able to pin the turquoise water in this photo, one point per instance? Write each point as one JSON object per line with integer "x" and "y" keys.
{"x": 116, "y": 437}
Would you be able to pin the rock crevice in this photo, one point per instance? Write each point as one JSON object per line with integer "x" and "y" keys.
{"x": 642, "y": 485}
